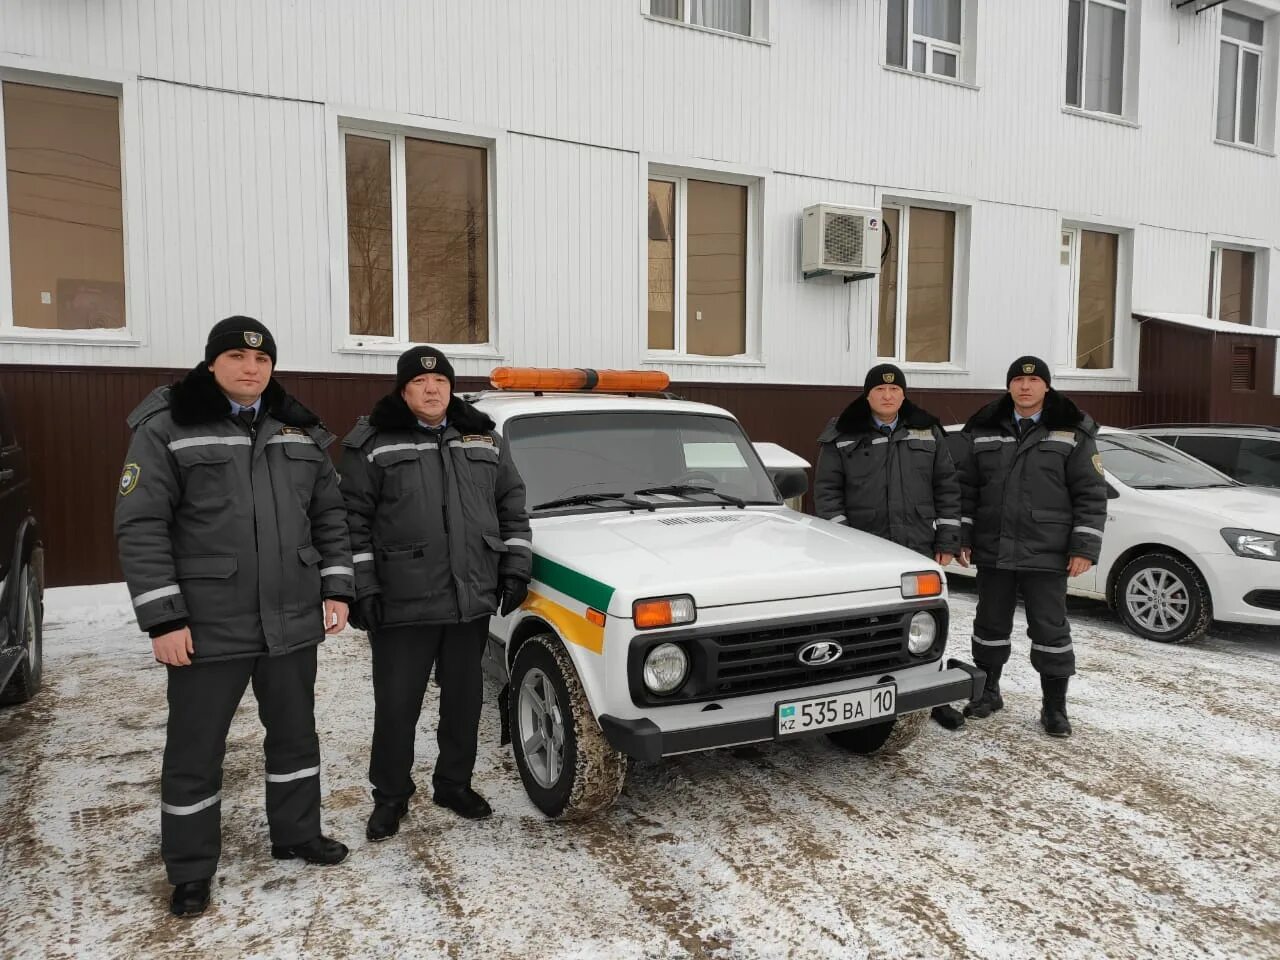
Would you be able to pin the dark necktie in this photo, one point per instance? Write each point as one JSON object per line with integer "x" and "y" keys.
{"x": 1024, "y": 424}
{"x": 247, "y": 416}
{"x": 886, "y": 430}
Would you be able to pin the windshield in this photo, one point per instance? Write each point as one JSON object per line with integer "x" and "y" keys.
{"x": 566, "y": 455}
{"x": 1148, "y": 464}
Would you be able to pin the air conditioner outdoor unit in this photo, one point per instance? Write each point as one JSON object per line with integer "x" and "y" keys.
{"x": 841, "y": 241}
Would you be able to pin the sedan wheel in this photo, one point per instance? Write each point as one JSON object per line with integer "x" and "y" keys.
{"x": 1163, "y": 597}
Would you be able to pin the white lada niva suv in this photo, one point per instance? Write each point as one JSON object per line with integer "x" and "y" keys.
{"x": 678, "y": 604}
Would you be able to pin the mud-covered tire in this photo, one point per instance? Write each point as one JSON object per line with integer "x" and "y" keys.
{"x": 881, "y": 739}
{"x": 1186, "y": 598}
{"x": 25, "y": 682}
{"x": 592, "y": 772}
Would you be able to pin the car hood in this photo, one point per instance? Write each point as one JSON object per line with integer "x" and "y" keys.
{"x": 1256, "y": 508}
{"x": 720, "y": 557}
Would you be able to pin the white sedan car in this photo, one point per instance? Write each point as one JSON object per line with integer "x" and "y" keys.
{"x": 1184, "y": 544}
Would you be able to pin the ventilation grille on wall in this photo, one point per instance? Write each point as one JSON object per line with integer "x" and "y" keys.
{"x": 1244, "y": 366}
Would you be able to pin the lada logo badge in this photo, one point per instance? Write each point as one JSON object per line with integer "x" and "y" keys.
{"x": 819, "y": 653}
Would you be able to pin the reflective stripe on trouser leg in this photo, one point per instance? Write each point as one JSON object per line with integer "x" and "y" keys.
{"x": 285, "y": 690}
{"x": 993, "y": 621}
{"x": 1044, "y": 595}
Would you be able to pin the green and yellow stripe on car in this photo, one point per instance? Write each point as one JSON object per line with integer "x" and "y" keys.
{"x": 572, "y": 602}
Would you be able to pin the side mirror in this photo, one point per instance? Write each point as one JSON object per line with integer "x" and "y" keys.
{"x": 1112, "y": 492}
{"x": 790, "y": 483}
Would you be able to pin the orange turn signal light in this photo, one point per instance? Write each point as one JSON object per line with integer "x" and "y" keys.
{"x": 663, "y": 612}
{"x": 926, "y": 584}
{"x": 605, "y": 381}
{"x": 595, "y": 616}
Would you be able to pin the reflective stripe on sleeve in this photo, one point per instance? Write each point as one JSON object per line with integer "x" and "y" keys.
{"x": 401, "y": 446}
{"x": 362, "y": 558}
{"x": 1089, "y": 530}
{"x": 156, "y": 594}
{"x": 193, "y": 808}
{"x": 968, "y": 520}
{"x": 337, "y": 571}
{"x": 517, "y": 542}
{"x": 296, "y": 775}
{"x": 210, "y": 442}
{"x": 947, "y": 522}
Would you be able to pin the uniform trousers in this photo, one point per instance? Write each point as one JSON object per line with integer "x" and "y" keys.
{"x": 1044, "y": 594}
{"x": 202, "y": 701}
{"x": 402, "y": 660}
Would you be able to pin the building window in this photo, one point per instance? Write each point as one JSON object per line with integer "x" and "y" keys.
{"x": 1231, "y": 285}
{"x": 1239, "y": 78}
{"x": 66, "y": 208}
{"x": 731, "y": 16}
{"x": 1089, "y": 260}
{"x": 925, "y": 36}
{"x": 417, "y": 239}
{"x": 698, "y": 233}
{"x": 1096, "y": 54}
{"x": 917, "y": 327}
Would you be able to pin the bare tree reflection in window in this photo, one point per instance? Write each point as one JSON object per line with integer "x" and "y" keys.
{"x": 369, "y": 245}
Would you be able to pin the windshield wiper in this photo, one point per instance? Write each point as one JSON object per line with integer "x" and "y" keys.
{"x": 579, "y": 499}
{"x": 684, "y": 489}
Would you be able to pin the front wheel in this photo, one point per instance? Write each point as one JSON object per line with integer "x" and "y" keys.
{"x": 569, "y": 769}
{"x": 884, "y": 738}
{"x": 25, "y": 682}
{"x": 1162, "y": 597}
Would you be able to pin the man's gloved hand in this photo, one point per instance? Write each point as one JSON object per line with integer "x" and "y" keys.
{"x": 366, "y": 613}
{"x": 514, "y": 592}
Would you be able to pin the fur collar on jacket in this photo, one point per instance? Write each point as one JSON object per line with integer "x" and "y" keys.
{"x": 196, "y": 399}
{"x": 857, "y": 417}
{"x": 392, "y": 413}
{"x": 1060, "y": 413}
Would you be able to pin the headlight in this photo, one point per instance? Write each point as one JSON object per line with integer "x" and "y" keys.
{"x": 663, "y": 612}
{"x": 923, "y": 631}
{"x": 1252, "y": 543}
{"x": 926, "y": 584}
{"x": 665, "y": 668}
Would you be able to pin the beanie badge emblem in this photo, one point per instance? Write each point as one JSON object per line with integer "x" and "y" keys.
{"x": 1028, "y": 368}
{"x": 889, "y": 377}
{"x": 428, "y": 363}
{"x": 253, "y": 338}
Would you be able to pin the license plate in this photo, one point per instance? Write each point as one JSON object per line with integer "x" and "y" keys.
{"x": 835, "y": 712}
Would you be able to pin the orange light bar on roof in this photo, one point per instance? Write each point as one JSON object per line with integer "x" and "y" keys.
{"x": 581, "y": 378}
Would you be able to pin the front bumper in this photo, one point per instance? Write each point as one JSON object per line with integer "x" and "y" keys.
{"x": 642, "y": 739}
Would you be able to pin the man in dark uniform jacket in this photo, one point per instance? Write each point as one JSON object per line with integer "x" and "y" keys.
{"x": 233, "y": 540}
{"x": 884, "y": 467}
{"x": 440, "y": 539}
{"x": 1035, "y": 504}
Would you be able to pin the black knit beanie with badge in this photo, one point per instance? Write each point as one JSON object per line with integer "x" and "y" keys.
{"x": 419, "y": 360}
{"x": 236, "y": 333}
{"x": 1028, "y": 366}
{"x": 882, "y": 375}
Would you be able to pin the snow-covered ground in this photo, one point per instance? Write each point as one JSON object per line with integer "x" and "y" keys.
{"x": 1152, "y": 832}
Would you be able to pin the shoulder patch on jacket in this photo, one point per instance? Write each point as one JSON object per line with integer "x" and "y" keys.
{"x": 1097, "y": 463}
{"x": 129, "y": 479}
{"x": 361, "y": 432}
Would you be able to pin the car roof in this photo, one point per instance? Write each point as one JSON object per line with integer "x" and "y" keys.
{"x": 504, "y": 405}
{"x": 1212, "y": 430}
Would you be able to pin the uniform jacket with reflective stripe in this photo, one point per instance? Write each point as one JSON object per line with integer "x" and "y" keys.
{"x": 903, "y": 487}
{"x": 436, "y": 517}
{"x": 1032, "y": 504}
{"x": 240, "y": 538}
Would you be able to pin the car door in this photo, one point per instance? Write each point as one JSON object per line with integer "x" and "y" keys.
{"x": 1259, "y": 461}
{"x": 1221, "y": 453}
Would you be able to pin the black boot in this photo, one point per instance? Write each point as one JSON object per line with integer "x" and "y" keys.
{"x": 319, "y": 850}
{"x": 463, "y": 801}
{"x": 190, "y": 898}
{"x": 990, "y": 701}
{"x": 384, "y": 822}
{"x": 947, "y": 717}
{"x": 1053, "y": 713}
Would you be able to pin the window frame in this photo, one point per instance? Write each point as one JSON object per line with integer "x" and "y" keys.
{"x": 1260, "y": 95}
{"x": 680, "y": 176}
{"x": 959, "y": 285}
{"x": 124, "y": 91}
{"x": 347, "y": 342}
{"x": 759, "y": 21}
{"x": 1261, "y": 264}
{"x": 1128, "y": 93}
{"x": 931, "y": 44}
{"x": 1067, "y": 353}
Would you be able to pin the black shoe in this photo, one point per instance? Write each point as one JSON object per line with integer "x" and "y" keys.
{"x": 1053, "y": 713}
{"x": 190, "y": 899}
{"x": 948, "y": 717}
{"x": 990, "y": 700}
{"x": 384, "y": 822}
{"x": 319, "y": 850}
{"x": 463, "y": 801}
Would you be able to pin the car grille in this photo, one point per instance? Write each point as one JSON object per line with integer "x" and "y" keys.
{"x": 1267, "y": 599}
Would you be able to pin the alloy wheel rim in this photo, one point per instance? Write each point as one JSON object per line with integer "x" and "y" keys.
{"x": 540, "y": 725}
{"x": 1158, "y": 599}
